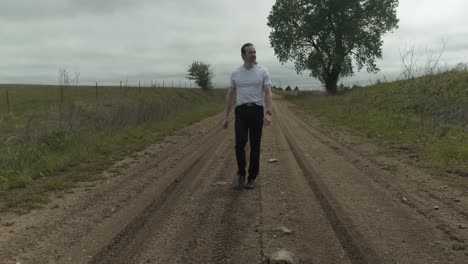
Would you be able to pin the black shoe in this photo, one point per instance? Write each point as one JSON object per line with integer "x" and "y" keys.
{"x": 250, "y": 184}
{"x": 240, "y": 182}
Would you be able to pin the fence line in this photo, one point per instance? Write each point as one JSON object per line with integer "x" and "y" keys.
{"x": 65, "y": 84}
{"x": 69, "y": 107}
{"x": 8, "y": 101}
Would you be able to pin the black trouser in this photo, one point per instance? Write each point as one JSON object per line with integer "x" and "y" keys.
{"x": 249, "y": 123}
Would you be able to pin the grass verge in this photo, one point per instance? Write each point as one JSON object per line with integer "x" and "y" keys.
{"x": 427, "y": 117}
{"x": 58, "y": 161}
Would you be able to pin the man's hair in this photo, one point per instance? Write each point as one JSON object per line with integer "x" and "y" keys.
{"x": 244, "y": 46}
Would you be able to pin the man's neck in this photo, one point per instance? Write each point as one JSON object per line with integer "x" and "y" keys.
{"x": 248, "y": 65}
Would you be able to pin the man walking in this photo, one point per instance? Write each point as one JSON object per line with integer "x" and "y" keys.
{"x": 252, "y": 85}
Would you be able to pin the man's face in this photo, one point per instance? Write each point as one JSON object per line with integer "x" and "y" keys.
{"x": 250, "y": 55}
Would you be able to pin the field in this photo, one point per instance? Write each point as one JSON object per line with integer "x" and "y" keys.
{"x": 424, "y": 119}
{"x": 146, "y": 176}
{"x": 322, "y": 200}
{"x": 44, "y": 134}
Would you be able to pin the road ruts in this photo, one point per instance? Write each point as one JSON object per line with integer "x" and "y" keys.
{"x": 372, "y": 224}
{"x": 216, "y": 223}
{"x": 178, "y": 205}
{"x": 200, "y": 219}
{"x": 357, "y": 248}
{"x": 127, "y": 245}
{"x": 72, "y": 233}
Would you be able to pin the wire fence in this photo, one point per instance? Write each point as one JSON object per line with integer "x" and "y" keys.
{"x": 29, "y": 111}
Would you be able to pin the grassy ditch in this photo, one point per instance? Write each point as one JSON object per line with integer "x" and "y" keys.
{"x": 426, "y": 116}
{"x": 39, "y": 153}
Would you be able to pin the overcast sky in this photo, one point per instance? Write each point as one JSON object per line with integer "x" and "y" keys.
{"x": 112, "y": 40}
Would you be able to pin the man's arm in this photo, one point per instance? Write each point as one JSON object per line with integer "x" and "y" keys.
{"x": 227, "y": 109}
{"x": 268, "y": 104}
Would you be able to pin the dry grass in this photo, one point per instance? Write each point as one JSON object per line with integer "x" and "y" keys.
{"x": 35, "y": 144}
{"x": 428, "y": 115}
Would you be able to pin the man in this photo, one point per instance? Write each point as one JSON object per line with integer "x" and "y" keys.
{"x": 252, "y": 85}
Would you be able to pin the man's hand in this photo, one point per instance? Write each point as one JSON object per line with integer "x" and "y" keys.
{"x": 267, "y": 119}
{"x": 225, "y": 123}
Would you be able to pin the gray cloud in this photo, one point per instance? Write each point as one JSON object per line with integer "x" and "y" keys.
{"x": 24, "y": 10}
{"x": 109, "y": 41}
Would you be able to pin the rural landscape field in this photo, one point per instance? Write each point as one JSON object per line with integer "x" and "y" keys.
{"x": 358, "y": 168}
{"x": 156, "y": 185}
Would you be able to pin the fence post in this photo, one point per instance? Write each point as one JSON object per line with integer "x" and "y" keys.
{"x": 97, "y": 93}
{"x": 120, "y": 87}
{"x": 139, "y": 87}
{"x": 8, "y": 101}
{"x": 61, "y": 106}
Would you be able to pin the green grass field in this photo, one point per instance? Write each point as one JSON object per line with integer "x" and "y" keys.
{"x": 426, "y": 115}
{"x": 38, "y": 144}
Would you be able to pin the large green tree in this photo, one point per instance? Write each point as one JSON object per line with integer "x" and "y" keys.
{"x": 326, "y": 36}
{"x": 201, "y": 73}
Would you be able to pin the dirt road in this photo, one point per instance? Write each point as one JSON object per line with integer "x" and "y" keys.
{"x": 174, "y": 203}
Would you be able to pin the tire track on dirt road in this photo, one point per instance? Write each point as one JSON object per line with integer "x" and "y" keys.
{"x": 193, "y": 238}
{"x": 291, "y": 217}
{"x": 365, "y": 214}
{"x": 214, "y": 225}
{"x": 356, "y": 247}
{"x": 420, "y": 199}
{"x": 127, "y": 243}
{"x": 80, "y": 215}
{"x": 176, "y": 204}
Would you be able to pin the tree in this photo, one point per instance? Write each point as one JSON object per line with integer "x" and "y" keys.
{"x": 296, "y": 88}
{"x": 288, "y": 88}
{"x": 201, "y": 73}
{"x": 324, "y": 36}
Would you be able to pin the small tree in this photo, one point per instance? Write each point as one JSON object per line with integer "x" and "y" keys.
{"x": 201, "y": 73}
{"x": 296, "y": 89}
{"x": 288, "y": 88}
